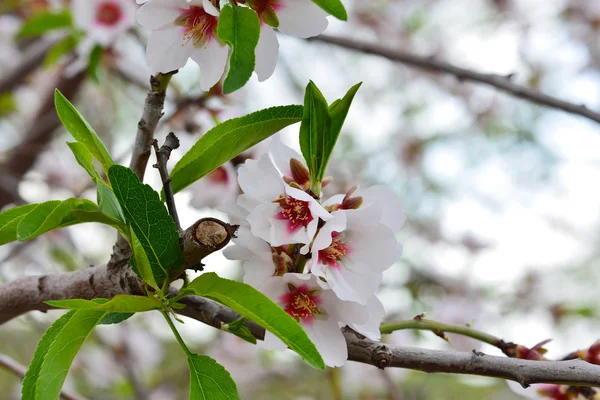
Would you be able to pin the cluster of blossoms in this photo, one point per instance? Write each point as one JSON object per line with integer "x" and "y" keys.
{"x": 183, "y": 29}
{"x": 321, "y": 261}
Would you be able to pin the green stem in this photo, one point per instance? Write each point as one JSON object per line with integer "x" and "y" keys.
{"x": 336, "y": 383}
{"x": 176, "y": 333}
{"x": 440, "y": 328}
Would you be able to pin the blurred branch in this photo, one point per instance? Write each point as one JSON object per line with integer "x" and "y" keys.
{"x": 501, "y": 82}
{"x": 31, "y": 59}
{"x": 24, "y": 155}
{"x": 13, "y": 366}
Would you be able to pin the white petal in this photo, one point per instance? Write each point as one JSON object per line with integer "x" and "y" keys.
{"x": 344, "y": 312}
{"x": 336, "y": 199}
{"x": 324, "y": 237}
{"x": 212, "y": 59}
{"x": 167, "y": 51}
{"x": 329, "y": 340}
{"x": 260, "y": 179}
{"x": 157, "y": 13}
{"x": 301, "y": 18}
{"x": 266, "y": 53}
{"x": 376, "y": 314}
{"x": 247, "y": 203}
{"x": 282, "y": 154}
{"x": 209, "y": 8}
{"x": 390, "y": 204}
{"x": 258, "y": 270}
{"x": 260, "y": 221}
{"x": 256, "y": 245}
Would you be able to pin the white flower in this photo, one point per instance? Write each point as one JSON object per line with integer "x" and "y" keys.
{"x": 284, "y": 214}
{"x": 180, "y": 30}
{"x": 216, "y": 188}
{"x": 103, "y": 20}
{"x": 300, "y": 18}
{"x": 352, "y": 250}
{"x": 318, "y": 310}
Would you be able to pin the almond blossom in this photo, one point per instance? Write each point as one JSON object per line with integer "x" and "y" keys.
{"x": 351, "y": 251}
{"x": 217, "y": 187}
{"x": 284, "y": 214}
{"x": 181, "y": 30}
{"x": 319, "y": 311}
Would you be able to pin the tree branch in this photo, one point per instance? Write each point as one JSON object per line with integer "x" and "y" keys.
{"x": 29, "y": 294}
{"x": 16, "y": 368}
{"x": 500, "y": 82}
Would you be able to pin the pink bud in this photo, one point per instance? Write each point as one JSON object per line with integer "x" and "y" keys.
{"x": 299, "y": 171}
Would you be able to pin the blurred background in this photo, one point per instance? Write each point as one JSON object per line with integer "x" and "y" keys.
{"x": 503, "y": 209}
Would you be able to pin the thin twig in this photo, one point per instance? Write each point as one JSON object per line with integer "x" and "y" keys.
{"x": 162, "y": 156}
{"x": 16, "y": 368}
{"x": 440, "y": 329}
{"x": 500, "y": 82}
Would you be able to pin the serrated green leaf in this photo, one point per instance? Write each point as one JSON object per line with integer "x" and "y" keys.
{"x": 94, "y": 63}
{"x": 52, "y": 215}
{"x": 149, "y": 220}
{"x": 239, "y": 27}
{"x": 81, "y": 130}
{"x": 227, "y": 140}
{"x": 119, "y": 303}
{"x": 28, "y": 390}
{"x": 82, "y": 216}
{"x": 45, "y": 21}
{"x": 59, "y": 49}
{"x": 115, "y": 318}
{"x": 250, "y": 303}
{"x": 46, "y": 378}
{"x": 9, "y": 221}
{"x": 209, "y": 380}
{"x": 333, "y": 7}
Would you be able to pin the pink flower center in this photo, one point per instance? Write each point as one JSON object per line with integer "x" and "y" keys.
{"x": 301, "y": 303}
{"x": 108, "y": 13}
{"x": 335, "y": 252}
{"x": 295, "y": 212}
{"x": 219, "y": 176}
{"x": 198, "y": 25}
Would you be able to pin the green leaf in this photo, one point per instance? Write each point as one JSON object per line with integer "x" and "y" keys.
{"x": 107, "y": 201}
{"x": 139, "y": 262}
{"x": 59, "y": 49}
{"x": 115, "y": 318}
{"x": 56, "y": 352}
{"x": 238, "y": 328}
{"x": 250, "y": 303}
{"x": 43, "y": 22}
{"x": 9, "y": 221}
{"x": 333, "y": 7}
{"x": 337, "y": 115}
{"x": 8, "y": 104}
{"x": 81, "y": 130}
{"x": 209, "y": 380}
{"x": 314, "y": 128}
{"x": 227, "y": 140}
{"x": 149, "y": 220}
{"x": 94, "y": 63}
{"x": 239, "y": 27}
{"x": 51, "y": 215}
{"x": 98, "y": 216}
{"x": 28, "y": 389}
{"x": 119, "y": 303}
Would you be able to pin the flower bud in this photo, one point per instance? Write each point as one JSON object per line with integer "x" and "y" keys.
{"x": 299, "y": 171}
